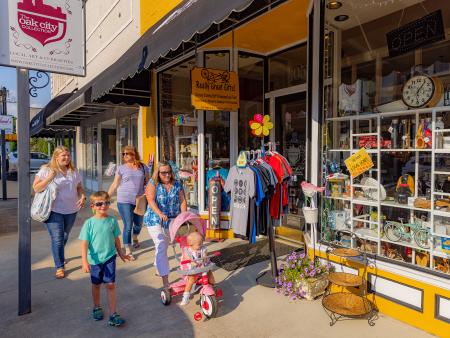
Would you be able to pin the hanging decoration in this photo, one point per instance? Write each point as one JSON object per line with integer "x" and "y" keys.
{"x": 178, "y": 120}
{"x": 260, "y": 125}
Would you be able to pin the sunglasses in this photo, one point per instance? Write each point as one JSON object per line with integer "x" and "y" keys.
{"x": 165, "y": 173}
{"x": 100, "y": 204}
{"x": 123, "y": 154}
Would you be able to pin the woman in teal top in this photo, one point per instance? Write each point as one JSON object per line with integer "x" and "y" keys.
{"x": 166, "y": 200}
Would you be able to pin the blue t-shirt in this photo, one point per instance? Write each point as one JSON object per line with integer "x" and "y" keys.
{"x": 100, "y": 233}
{"x": 167, "y": 201}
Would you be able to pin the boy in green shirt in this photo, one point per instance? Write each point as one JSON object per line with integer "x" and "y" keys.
{"x": 99, "y": 246}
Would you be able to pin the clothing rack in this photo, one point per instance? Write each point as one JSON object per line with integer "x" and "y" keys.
{"x": 267, "y": 277}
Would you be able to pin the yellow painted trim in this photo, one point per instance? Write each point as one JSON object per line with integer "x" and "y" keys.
{"x": 219, "y": 234}
{"x": 149, "y": 122}
{"x": 154, "y": 10}
{"x": 425, "y": 320}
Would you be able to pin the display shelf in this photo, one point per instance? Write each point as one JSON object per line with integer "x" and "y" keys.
{"x": 402, "y": 206}
{"x": 437, "y": 251}
{"x": 441, "y": 213}
{"x": 368, "y": 234}
{"x": 439, "y": 193}
{"x": 411, "y": 150}
{"x": 439, "y": 172}
{"x": 338, "y": 198}
{"x": 442, "y": 151}
{"x": 405, "y": 244}
{"x": 338, "y": 150}
{"x": 365, "y": 202}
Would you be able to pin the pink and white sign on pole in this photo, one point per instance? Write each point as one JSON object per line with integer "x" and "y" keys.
{"x": 47, "y": 35}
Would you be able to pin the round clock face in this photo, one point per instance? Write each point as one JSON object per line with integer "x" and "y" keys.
{"x": 418, "y": 91}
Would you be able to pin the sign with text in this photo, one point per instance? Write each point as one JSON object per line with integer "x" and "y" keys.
{"x": 214, "y": 89}
{"x": 214, "y": 201}
{"x": 358, "y": 163}
{"x": 45, "y": 35}
{"x": 6, "y": 123}
{"x": 423, "y": 31}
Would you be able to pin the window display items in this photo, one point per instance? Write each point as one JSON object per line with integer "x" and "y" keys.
{"x": 418, "y": 91}
{"x": 439, "y": 125}
{"x": 424, "y": 134}
{"x": 350, "y": 98}
{"x": 395, "y": 232}
{"x": 404, "y": 188}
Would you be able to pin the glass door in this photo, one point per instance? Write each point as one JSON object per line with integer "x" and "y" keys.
{"x": 290, "y": 135}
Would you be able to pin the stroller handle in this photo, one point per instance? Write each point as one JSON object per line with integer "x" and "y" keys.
{"x": 214, "y": 254}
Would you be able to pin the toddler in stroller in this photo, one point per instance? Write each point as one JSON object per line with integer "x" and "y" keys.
{"x": 195, "y": 266}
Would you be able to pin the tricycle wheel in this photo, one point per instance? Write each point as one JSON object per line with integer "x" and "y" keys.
{"x": 166, "y": 297}
{"x": 208, "y": 305}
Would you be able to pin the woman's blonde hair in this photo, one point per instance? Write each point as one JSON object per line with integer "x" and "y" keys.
{"x": 155, "y": 176}
{"x": 53, "y": 164}
{"x": 137, "y": 157}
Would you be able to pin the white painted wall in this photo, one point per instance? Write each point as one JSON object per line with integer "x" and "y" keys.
{"x": 112, "y": 26}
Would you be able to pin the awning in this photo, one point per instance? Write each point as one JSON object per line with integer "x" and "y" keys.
{"x": 38, "y": 127}
{"x": 177, "y": 29}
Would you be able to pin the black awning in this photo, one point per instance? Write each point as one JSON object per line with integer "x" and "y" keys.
{"x": 38, "y": 123}
{"x": 179, "y": 27}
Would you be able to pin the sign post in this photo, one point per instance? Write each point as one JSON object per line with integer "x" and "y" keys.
{"x": 49, "y": 36}
{"x": 3, "y": 97}
{"x": 23, "y": 176}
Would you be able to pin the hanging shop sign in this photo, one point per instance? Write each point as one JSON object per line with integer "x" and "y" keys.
{"x": 6, "y": 123}
{"x": 214, "y": 89}
{"x": 358, "y": 163}
{"x": 11, "y": 137}
{"x": 421, "y": 32}
{"x": 45, "y": 35}
{"x": 214, "y": 201}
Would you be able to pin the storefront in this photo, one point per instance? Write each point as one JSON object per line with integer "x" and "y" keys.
{"x": 384, "y": 87}
{"x": 272, "y": 80}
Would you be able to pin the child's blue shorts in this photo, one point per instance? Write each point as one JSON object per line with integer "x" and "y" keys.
{"x": 104, "y": 272}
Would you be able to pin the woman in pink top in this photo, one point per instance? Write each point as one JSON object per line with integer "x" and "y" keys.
{"x": 70, "y": 198}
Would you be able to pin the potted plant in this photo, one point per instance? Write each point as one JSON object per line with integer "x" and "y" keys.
{"x": 301, "y": 277}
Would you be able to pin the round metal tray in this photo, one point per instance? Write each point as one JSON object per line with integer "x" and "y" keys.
{"x": 345, "y": 252}
{"x": 347, "y": 304}
{"x": 345, "y": 279}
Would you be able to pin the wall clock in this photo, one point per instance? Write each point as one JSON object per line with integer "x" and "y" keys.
{"x": 422, "y": 90}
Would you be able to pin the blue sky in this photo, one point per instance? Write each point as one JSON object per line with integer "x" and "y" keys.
{"x": 8, "y": 79}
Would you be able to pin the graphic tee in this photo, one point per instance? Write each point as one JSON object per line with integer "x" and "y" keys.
{"x": 241, "y": 183}
{"x": 100, "y": 233}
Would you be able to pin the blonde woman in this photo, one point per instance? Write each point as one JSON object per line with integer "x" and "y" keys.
{"x": 166, "y": 200}
{"x": 129, "y": 183}
{"x": 70, "y": 198}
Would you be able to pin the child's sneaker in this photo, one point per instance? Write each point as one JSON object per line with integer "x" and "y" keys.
{"x": 97, "y": 313}
{"x": 185, "y": 300}
{"x": 115, "y": 320}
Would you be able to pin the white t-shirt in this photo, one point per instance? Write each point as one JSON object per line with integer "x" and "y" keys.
{"x": 66, "y": 193}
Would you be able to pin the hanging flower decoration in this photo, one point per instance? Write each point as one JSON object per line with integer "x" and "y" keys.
{"x": 260, "y": 125}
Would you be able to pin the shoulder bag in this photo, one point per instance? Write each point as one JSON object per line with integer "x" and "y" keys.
{"x": 42, "y": 203}
{"x": 141, "y": 200}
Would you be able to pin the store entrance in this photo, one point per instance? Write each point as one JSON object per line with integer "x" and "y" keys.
{"x": 290, "y": 137}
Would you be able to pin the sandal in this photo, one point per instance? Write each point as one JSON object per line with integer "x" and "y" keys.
{"x": 60, "y": 273}
{"x": 136, "y": 244}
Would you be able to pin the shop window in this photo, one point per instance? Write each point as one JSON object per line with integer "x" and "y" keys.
{"x": 251, "y": 87}
{"x": 217, "y": 133}
{"x": 134, "y": 131}
{"x": 91, "y": 152}
{"x": 288, "y": 68}
{"x": 178, "y": 127}
{"x": 384, "y": 103}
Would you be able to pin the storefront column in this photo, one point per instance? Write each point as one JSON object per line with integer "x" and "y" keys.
{"x": 99, "y": 157}
{"x": 199, "y": 62}
{"x": 316, "y": 92}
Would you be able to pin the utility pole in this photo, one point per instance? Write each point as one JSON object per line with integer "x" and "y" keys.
{"x": 3, "y": 96}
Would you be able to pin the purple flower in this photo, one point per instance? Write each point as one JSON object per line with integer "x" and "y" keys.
{"x": 289, "y": 284}
{"x": 302, "y": 255}
{"x": 302, "y": 276}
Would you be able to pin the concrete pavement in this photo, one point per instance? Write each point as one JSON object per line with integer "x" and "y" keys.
{"x": 62, "y": 308}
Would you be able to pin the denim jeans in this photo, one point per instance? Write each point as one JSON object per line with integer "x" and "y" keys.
{"x": 131, "y": 221}
{"x": 59, "y": 226}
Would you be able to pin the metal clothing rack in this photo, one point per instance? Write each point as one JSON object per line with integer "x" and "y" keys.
{"x": 267, "y": 278}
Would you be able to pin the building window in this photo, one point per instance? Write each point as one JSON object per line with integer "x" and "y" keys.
{"x": 178, "y": 127}
{"x": 288, "y": 68}
{"x": 388, "y": 103}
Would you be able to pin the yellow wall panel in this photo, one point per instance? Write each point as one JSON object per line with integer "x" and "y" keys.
{"x": 149, "y": 122}
{"x": 154, "y": 10}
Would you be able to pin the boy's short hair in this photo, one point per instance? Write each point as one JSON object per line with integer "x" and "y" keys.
{"x": 99, "y": 195}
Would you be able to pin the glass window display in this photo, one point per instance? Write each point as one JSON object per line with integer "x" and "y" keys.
{"x": 178, "y": 127}
{"x": 392, "y": 102}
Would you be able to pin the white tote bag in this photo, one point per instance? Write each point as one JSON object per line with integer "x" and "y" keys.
{"x": 42, "y": 203}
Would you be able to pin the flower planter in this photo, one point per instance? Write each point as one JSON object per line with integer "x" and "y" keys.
{"x": 311, "y": 215}
{"x": 313, "y": 287}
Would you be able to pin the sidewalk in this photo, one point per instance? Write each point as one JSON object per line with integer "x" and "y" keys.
{"x": 62, "y": 308}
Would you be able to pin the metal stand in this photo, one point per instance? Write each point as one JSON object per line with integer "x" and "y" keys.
{"x": 267, "y": 278}
{"x": 3, "y": 97}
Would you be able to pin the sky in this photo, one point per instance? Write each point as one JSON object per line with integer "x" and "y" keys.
{"x": 8, "y": 80}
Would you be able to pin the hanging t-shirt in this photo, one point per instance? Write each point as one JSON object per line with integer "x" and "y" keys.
{"x": 241, "y": 183}
{"x": 350, "y": 97}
